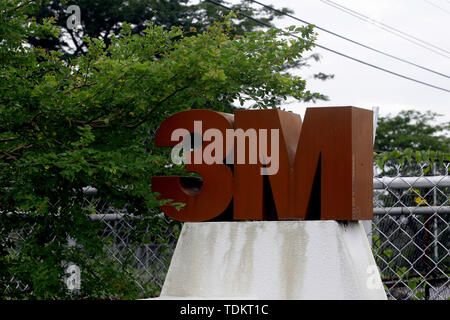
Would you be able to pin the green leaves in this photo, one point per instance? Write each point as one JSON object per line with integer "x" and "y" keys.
{"x": 427, "y": 157}
{"x": 86, "y": 136}
{"x": 412, "y": 129}
{"x": 90, "y": 120}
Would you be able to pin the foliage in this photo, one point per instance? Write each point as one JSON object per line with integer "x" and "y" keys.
{"x": 101, "y": 18}
{"x": 401, "y": 273}
{"x": 385, "y": 160}
{"x": 414, "y": 283}
{"x": 400, "y": 242}
{"x": 412, "y": 163}
{"x": 89, "y": 120}
{"x": 414, "y": 130}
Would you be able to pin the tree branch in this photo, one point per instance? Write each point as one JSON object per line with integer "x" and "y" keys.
{"x": 146, "y": 118}
{"x": 7, "y": 139}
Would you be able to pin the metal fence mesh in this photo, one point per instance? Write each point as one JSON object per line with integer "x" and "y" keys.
{"x": 151, "y": 258}
{"x": 410, "y": 231}
{"x": 410, "y": 235}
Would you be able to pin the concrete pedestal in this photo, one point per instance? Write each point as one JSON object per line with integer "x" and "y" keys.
{"x": 273, "y": 260}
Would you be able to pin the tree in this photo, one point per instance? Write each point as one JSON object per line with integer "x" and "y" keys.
{"x": 101, "y": 18}
{"x": 87, "y": 121}
{"x": 412, "y": 129}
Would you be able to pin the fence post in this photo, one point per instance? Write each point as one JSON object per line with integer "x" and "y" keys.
{"x": 435, "y": 226}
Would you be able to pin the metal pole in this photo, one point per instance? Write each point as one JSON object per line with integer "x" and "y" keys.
{"x": 435, "y": 226}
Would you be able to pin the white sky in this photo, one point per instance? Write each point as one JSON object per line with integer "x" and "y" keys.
{"x": 361, "y": 86}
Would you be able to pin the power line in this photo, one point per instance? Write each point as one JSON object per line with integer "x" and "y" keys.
{"x": 392, "y": 30}
{"x": 331, "y": 50}
{"x": 380, "y": 24}
{"x": 350, "y": 40}
{"x": 385, "y": 70}
{"x": 436, "y": 6}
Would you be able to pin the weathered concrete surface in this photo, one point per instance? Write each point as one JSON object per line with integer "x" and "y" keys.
{"x": 273, "y": 260}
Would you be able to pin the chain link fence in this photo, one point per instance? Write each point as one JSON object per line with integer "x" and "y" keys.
{"x": 410, "y": 235}
{"x": 150, "y": 258}
{"x": 410, "y": 230}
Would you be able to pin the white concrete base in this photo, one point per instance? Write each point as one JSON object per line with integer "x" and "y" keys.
{"x": 273, "y": 260}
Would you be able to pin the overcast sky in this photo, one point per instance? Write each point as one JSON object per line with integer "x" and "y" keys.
{"x": 359, "y": 85}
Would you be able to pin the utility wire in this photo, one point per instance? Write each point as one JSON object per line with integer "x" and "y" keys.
{"x": 350, "y": 40}
{"x": 392, "y": 30}
{"x": 379, "y": 23}
{"x": 436, "y": 6}
{"x": 330, "y": 50}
